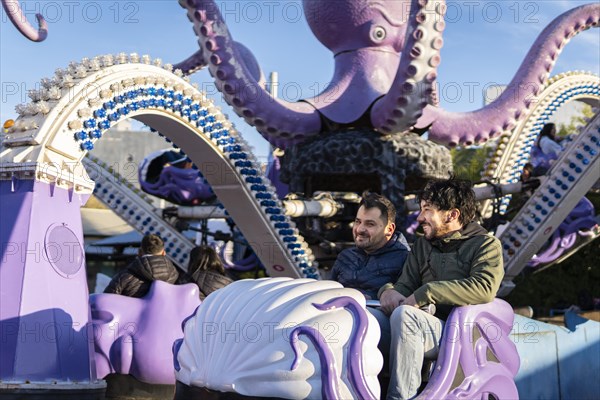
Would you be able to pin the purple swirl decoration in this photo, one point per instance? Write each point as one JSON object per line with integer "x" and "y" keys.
{"x": 482, "y": 375}
{"x": 329, "y": 385}
{"x": 179, "y": 186}
{"x": 356, "y": 374}
{"x": 176, "y": 347}
{"x": 177, "y": 343}
{"x": 245, "y": 264}
{"x": 582, "y": 217}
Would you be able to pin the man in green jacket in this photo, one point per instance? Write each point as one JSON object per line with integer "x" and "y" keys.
{"x": 455, "y": 263}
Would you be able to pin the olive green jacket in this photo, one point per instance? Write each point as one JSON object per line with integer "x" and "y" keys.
{"x": 464, "y": 268}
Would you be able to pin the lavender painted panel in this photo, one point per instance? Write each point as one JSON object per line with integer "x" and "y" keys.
{"x": 15, "y": 204}
{"x": 47, "y": 330}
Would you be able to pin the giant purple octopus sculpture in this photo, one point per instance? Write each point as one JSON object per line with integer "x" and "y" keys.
{"x": 386, "y": 57}
{"x": 385, "y": 69}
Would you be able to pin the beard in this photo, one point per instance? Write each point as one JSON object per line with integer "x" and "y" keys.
{"x": 429, "y": 231}
{"x": 432, "y": 232}
{"x": 362, "y": 241}
{"x": 369, "y": 243}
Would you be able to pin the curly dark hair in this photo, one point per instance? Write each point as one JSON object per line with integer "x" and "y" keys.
{"x": 374, "y": 200}
{"x": 452, "y": 193}
{"x": 205, "y": 258}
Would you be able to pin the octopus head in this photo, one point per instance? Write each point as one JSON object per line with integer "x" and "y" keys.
{"x": 348, "y": 25}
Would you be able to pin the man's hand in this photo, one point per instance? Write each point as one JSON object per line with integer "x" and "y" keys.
{"x": 410, "y": 301}
{"x": 390, "y": 299}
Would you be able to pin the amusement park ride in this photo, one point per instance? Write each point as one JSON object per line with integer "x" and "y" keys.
{"x": 59, "y": 342}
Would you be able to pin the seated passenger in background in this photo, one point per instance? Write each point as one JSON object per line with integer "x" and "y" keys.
{"x": 546, "y": 150}
{"x": 150, "y": 265}
{"x": 206, "y": 270}
{"x": 518, "y": 200}
{"x": 378, "y": 257}
{"x": 548, "y": 141}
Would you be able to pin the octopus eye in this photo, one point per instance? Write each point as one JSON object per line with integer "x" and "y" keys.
{"x": 378, "y": 34}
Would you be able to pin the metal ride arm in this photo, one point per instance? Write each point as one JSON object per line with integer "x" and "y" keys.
{"x": 325, "y": 207}
{"x": 482, "y": 191}
{"x": 131, "y": 205}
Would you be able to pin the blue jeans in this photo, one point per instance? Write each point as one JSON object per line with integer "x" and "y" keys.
{"x": 384, "y": 326}
{"x": 415, "y": 335}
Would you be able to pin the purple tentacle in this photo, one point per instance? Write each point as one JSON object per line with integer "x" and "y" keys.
{"x": 357, "y": 337}
{"x": 412, "y": 89}
{"x": 329, "y": 386}
{"x": 15, "y": 14}
{"x": 281, "y": 123}
{"x": 192, "y": 64}
{"x": 197, "y": 61}
{"x": 502, "y": 115}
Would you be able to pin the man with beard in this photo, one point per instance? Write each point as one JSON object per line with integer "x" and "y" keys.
{"x": 455, "y": 263}
{"x": 377, "y": 258}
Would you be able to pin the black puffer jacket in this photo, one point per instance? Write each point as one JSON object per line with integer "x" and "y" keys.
{"x": 356, "y": 269}
{"x": 209, "y": 281}
{"x": 135, "y": 280}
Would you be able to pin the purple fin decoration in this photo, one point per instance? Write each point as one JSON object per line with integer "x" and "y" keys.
{"x": 137, "y": 336}
{"x": 476, "y": 344}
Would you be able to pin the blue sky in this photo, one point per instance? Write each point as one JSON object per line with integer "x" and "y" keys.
{"x": 485, "y": 42}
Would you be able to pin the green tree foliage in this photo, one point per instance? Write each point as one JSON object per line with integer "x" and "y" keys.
{"x": 469, "y": 161}
{"x": 576, "y": 122}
